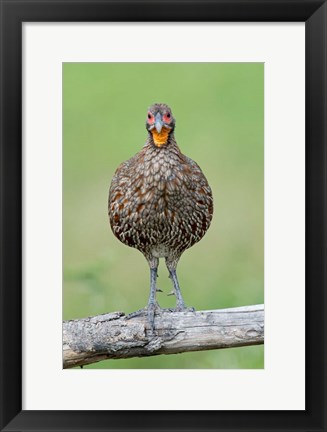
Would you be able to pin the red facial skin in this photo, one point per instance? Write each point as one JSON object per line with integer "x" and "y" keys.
{"x": 166, "y": 118}
{"x": 150, "y": 118}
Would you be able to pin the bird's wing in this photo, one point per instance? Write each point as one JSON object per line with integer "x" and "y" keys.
{"x": 199, "y": 180}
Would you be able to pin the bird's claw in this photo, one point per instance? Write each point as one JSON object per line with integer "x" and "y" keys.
{"x": 150, "y": 310}
{"x": 140, "y": 312}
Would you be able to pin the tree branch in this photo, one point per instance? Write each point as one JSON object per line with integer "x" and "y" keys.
{"x": 114, "y": 336}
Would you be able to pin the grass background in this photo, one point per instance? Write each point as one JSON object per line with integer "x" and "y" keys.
{"x": 219, "y": 123}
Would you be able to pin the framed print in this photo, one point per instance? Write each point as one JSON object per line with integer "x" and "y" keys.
{"x": 245, "y": 85}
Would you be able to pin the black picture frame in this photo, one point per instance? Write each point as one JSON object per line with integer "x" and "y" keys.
{"x": 13, "y": 14}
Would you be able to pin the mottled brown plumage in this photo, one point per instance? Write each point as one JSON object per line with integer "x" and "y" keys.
{"x": 159, "y": 201}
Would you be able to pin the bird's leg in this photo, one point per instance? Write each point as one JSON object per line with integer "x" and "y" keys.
{"x": 152, "y": 305}
{"x": 180, "y": 304}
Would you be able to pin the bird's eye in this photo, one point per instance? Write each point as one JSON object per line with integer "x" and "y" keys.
{"x": 150, "y": 118}
{"x": 167, "y": 117}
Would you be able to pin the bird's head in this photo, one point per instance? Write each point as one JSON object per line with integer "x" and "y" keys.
{"x": 160, "y": 123}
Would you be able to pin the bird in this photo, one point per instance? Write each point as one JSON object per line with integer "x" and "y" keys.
{"x": 160, "y": 203}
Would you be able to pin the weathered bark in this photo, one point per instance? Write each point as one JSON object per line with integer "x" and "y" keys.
{"x": 114, "y": 336}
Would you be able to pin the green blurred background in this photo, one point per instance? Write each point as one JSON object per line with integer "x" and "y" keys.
{"x": 219, "y": 123}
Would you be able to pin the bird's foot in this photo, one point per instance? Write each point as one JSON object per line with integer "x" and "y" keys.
{"x": 150, "y": 310}
{"x": 153, "y": 308}
{"x": 183, "y": 308}
{"x": 138, "y": 313}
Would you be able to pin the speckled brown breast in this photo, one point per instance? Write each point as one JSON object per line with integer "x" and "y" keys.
{"x": 160, "y": 201}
